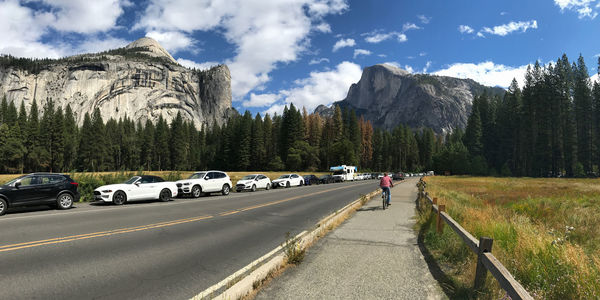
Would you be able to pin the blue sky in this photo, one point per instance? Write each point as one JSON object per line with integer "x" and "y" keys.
{"x": 308, "y": 52}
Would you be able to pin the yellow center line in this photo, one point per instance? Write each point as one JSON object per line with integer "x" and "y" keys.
{"x": 71, "y": 238}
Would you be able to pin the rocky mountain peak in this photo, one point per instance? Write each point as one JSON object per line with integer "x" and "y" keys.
{"x": 153, "y": 48}
{"x": 393, "y": 69}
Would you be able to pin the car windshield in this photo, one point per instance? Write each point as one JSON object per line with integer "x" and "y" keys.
{"x": 12, "y": 182}
{"x": 249, "y": 177}
{"x": 132, "y": 180}
{"x": 197, "y": 175}
{"x": 284, "y": 176}
{"x": 339, "y": 172}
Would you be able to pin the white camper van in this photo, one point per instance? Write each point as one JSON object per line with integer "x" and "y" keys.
{"x": 344, "y": 172}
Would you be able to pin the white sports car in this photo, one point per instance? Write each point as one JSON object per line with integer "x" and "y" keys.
{"x": 288, "y": 180}
{"x": 253, "y": 182}
{"x": 143, "y": 187}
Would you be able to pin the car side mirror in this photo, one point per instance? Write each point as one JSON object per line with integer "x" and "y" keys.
{"x": 17, "y": 184}
{"x": 137, "y": 183}
{"x": 206, "y": 178}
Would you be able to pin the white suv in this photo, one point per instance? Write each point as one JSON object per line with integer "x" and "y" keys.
{"x": 205, "y": 182}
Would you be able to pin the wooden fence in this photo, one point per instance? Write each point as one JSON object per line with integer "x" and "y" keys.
{"x": 482, "y": 248}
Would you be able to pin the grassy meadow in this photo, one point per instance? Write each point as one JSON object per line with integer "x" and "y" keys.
{"x": 546, "y": 233}
{"x": 88, "y": 181}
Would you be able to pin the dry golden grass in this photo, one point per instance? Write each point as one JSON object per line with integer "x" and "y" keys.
{"x": 530, "y": 221}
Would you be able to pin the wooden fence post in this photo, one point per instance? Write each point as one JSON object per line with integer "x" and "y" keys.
{"x": 485, "y": 245}
{"x": 440, "y": 222}
{"x": 434, "y": 200}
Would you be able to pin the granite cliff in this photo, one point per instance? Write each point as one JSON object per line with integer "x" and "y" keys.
{"x": 389, "y": 96}
{"x": 141, "y": 81}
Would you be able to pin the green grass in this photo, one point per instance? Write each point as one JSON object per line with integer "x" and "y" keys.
{"x": 546, "y": 233}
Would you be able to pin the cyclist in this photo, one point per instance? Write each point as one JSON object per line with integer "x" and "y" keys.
{"x": 385, "y": 183}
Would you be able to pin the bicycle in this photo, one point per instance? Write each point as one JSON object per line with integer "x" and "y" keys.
{"x": 384, "y": 199}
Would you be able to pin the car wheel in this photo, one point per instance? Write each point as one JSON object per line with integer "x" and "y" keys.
{"x": 268, "y": 186}
{"x": 287, "y": 184}
{"x": 3, "y": 206}
{"x": 196, "y": 191}
{"x": 253, "y": 188}
{"x": 165, "y": 195}
{"x": 64, "y": 201}
{"x": 302, "y": 183}
{"x": 119, "y": 198}
{"x": 225, "y": 190}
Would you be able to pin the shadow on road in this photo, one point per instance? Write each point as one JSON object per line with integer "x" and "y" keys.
{"x": 370, "y": 208}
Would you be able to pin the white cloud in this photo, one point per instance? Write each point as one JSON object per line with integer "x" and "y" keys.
{"x": 393, "y": 64}
{"x": 194, "y": 65}
{"x": 595, "y": 78}
{"x": 505, "y": 29}
{"x": 22, "y": 28}
{"x": 343, "y": 43}
{"x": 424, "y": 19}
{"x": 323, "y": 27}
{"x": 315, "y": 61}
{"x": 94, "y": 45}
{"x": 261, "y": 100}
{"x": 378, "y": 37}
{"x": 409, "y": 26}
{"x": 422, "y": 54}
{"x": 503, "y": 13}
{"x": 85, "y": 16}
{"x": 582, "y": 7}
{"x": 409, "y": 69}
{"x": 427, "y": 66}
{"x": 274, "y": 109}
{"x": 486, "y": 73}
{"x": 264, "y": 33}
{"x": 358, "y": 52}
{"x": 173, "y": 41}
{"x": 320, "y": 88}
{"x": 465, "y": 29}
{"x": 481, "y": 35}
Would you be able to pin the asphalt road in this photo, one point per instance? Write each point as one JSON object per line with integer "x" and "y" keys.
{"x": 154, "y": 250}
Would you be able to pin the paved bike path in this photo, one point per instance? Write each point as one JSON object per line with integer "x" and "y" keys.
{"x": 373, "y": 255}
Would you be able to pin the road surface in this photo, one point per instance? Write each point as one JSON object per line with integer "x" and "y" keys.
{"x": 154, "y": 250}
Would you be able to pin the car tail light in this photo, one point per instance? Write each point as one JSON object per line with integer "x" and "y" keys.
{"x": 74, "y": 183}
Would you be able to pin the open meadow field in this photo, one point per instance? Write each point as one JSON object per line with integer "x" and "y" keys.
{"x": 88, "y": 181}
{"x": 546, "y": 233}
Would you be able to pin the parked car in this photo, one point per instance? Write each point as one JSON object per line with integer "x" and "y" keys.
{"x": 326, "y": 179}
{"x": 144, "y": 187}
{"x": 38, "y": 189}
{"x": 288, "y": 180}
{"x": 205, "y": 182}
{"x": 253, "y": 182}
{"x": 310, "y": 179}
{"x": 398, "y": 176}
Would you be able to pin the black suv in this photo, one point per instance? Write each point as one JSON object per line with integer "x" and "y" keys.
{"x": 38, "y": 189}
{"x": 310, "y": 179}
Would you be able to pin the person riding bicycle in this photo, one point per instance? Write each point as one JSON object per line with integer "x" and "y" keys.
{"x": 385, "y": 183}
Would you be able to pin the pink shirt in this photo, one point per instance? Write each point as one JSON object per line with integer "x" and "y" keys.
{"x": 386, "y": 181}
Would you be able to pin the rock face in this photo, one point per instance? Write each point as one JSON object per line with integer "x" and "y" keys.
{"x": 141, "y": 81}
{"x": 389, "y": 96}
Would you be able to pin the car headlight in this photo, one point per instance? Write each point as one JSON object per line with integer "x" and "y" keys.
{"x": 107, "y": 191}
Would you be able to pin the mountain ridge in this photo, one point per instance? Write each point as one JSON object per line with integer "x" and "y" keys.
{"x": 389, "y": 96}
{"x": 141, "y": 81}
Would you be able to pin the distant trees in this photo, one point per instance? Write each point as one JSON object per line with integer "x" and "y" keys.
{"x": 549, "y": 128}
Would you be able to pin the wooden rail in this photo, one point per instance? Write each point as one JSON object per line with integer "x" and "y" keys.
{"x": 482, "y": 248}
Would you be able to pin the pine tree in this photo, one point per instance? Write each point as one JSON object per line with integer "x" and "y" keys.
{"x": 57, "y": 141}
{"x": 86, "y": 145}
{"x": 257, "y": 140}
{"x": 473, "y": 132}
{"x": 71, "y": 132}
{"x": 179, "y": 144}
{"x": 10, "y": 114}
{"x": 3, "y": 109}
{"x": 147, "y": 146}
{"x": 161, "y": 143}
{"x": 32, "y": 140}
{"x": 583, "y": 114}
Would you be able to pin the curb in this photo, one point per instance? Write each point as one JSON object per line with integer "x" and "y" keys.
{"x": 246, "y": 284}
